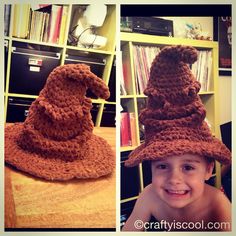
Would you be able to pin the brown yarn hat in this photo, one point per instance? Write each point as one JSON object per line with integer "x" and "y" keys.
{"x": 174, "y": 116}
{"x": 56, "y": 141}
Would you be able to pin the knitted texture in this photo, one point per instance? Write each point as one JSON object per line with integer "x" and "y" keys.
{"x": 174, "y": 118}
{"x": 56, "y": 141}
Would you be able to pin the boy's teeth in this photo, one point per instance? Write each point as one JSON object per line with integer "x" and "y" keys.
{"x": 177, "y": 191}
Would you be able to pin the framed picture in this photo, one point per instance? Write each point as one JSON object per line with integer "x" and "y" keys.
{"x": 223, "y": 34}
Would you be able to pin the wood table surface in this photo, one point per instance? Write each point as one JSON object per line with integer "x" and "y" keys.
{"x": 34, "y": 203}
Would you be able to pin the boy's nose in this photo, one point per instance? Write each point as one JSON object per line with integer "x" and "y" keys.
{"x": 175, "y": 176}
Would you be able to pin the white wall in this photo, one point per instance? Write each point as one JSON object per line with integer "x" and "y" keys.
{"x": 225, "y": 95}
{"x": 180, "y": 24}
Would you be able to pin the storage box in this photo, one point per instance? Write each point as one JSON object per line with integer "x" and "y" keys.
{"x": 108, "y": 116}
{"x": 30, "y": 69}
{"x": 17, "y": 109}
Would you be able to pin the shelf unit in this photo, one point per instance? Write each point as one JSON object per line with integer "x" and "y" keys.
{"x": 132, "y": 99}
{"x": 108, "y": 53}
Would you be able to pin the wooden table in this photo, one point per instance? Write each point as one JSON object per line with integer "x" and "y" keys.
{"x": 34, "y": 203}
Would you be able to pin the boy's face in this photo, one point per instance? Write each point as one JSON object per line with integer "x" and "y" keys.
{"x": 180, "y": 180}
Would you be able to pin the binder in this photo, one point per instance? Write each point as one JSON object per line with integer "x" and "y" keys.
{"x": 30, "y": 69}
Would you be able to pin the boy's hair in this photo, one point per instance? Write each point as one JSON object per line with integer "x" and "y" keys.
{"x": 209, "y": 160}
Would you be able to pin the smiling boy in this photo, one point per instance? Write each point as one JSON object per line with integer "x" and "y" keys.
{"x": 181, "y": 150}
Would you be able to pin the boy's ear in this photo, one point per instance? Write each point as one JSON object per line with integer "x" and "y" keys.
{"x": 209, "y": 170}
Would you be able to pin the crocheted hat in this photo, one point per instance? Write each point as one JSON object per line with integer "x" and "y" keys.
{"x": 174, "y": 116}
{"x": 56, "y": 141}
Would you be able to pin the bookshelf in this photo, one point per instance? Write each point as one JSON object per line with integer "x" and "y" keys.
{"x": 133, "y": 101}
{"x": 64, "y": 49}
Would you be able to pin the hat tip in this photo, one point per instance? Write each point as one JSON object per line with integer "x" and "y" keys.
{"x": 180, "y": 53}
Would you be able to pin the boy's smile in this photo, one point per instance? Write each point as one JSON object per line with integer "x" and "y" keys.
{"x": 176, "y": 198}
{"x": 177, "y": 193}
{"x": 179, "y": 180}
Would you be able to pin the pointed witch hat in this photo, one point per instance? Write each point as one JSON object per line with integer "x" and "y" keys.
{"x": 56, "y": 141}
{"x": 174, "y": 118}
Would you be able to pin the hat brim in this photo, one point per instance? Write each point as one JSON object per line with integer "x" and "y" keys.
{"x": 99, "y": 159}
{"x": 160, "y": 149}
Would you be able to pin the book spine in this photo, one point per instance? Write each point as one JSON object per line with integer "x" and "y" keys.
{"x": 125, "y": 129}
{"x": 122, "y": 81}
{"x": 7, "y": 14}
{"x": 209, "y": 70}
{"x": 46, "y": 28}
{"x": 125, "y": 78}
{"x": 63, "y": 24}
{"x": 54, "y": 23}
{"x": 21, "y": 20}
{"x": 42, "y": 26}
{"x": 32, "y": 25}
{"x": 15, "y": 19}
{"x": 133, "y": 129}
{"x": 37, "y": 26}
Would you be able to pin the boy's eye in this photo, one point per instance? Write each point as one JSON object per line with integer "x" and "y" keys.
{"x": 161, "y": 166}
{"x": 188, "y": 167}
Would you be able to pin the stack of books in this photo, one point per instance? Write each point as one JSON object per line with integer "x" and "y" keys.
{"x": 46, "y": 24}
{"x": 202, "y": 69}
{"x": 143, "y": 57}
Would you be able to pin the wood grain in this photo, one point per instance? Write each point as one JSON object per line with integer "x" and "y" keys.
{"x": 10, "y": 213}
{"x": 34, "y": 203}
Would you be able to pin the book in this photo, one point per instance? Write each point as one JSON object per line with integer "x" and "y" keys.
{"x": 31, "y": 34}
{"x": 133, "y": 129}
{"x": 125, "y": 133}
{"x": 201, "y": 70}
{"x": 122, "y": 82}
{"x": 64, "y": 16}
{"x": 42, "y": 26}
{"x": 21, "y": 19}
{"x": 46, "y": 27}
{"x": 142, "y": 104}
{"x": 209, "y": 71}
{"x": 55, "y": 18}
{"x": 7, "y": 14}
